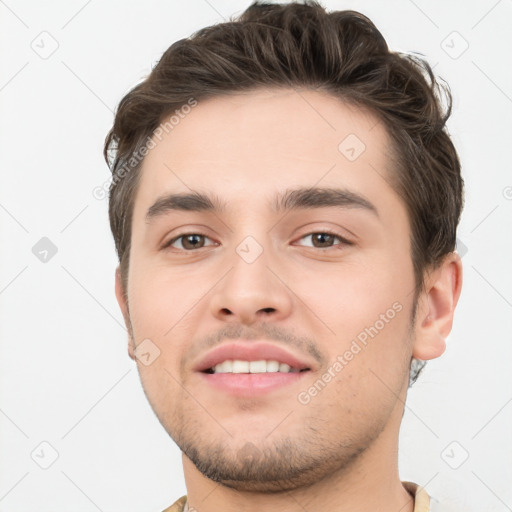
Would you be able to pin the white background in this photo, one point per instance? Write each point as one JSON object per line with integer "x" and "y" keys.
{"x": 65, "y": 376}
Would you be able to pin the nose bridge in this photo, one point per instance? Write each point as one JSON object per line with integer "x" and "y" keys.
{"x": 250, "y": 275}
{"x": 251, "y": 290}
{"x": 251, "y": 243}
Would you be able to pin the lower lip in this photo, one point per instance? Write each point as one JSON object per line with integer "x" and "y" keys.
{"x": 251, "y": 384}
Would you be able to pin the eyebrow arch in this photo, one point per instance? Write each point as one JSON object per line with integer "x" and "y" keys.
{"x": 316, "y": 197}
{"x": 291, "y": 199}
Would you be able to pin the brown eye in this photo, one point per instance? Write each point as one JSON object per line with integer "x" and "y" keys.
{"x": 324, "y": 240}
{"x": 188, "y": 242}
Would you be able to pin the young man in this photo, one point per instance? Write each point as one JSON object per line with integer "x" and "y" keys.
{"x": 284, "y": 204}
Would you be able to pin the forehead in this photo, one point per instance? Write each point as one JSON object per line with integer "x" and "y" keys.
{"x": 246, "y": 146}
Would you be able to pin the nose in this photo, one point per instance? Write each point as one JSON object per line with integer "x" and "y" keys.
{"x": 251, "y": 292}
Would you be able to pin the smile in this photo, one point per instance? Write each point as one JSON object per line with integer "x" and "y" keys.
{"x": 262, "y": 366}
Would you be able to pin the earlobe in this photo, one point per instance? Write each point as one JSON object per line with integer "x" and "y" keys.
{"x": 436, "y": 307}
{"x": 121, "y": 300}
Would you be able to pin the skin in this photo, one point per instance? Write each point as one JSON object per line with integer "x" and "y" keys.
{"x": 339, "y": 451}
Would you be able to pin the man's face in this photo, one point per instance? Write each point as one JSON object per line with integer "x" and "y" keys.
{"x": 256, "y": 276}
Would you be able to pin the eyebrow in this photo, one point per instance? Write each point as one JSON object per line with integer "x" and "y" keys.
{"x": 301, "y": 198}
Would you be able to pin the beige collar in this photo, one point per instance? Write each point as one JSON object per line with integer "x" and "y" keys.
{"x": 418, "y": 494}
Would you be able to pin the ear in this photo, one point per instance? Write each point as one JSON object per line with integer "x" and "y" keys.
{"x": 436, "y": 305}
{"x": 123, "y": 304}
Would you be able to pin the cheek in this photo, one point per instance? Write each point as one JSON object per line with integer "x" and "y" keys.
{"x": 365, "y": 314}
{"x": 158, "y": 313}
{"x": 351, "y": 295}
{"x": 167, "y": 306}
{"x": 160, "y": 298}
{"x": 364, "y": 378}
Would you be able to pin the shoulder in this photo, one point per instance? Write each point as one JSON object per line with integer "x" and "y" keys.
{"x": 421, "y": 498}
{"x": 178, "y": 505}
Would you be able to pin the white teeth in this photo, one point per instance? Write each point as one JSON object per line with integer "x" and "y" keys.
{"x": 225, "y": 367}
{"x": 272, "y": 366}
{"x": 239, "y": 366}
{"x": 257, "y": 367}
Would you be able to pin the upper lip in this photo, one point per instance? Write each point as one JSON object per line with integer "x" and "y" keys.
{"x": 250, "y": 351}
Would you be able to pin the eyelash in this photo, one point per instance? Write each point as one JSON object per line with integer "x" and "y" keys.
{"x": 324, "y": 232}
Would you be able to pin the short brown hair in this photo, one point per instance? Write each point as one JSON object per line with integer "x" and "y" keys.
{"x": 302, "y": 45}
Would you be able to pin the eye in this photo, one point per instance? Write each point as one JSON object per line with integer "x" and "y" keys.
{"x": 188, "y": 241}
{"x": 192, "y": 241}
{"x": 324, "y": 239}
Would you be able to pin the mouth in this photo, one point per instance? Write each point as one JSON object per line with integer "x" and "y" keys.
{"x": 248, "y": 368}
{"x": 251, "y": 357}
{"x": 242, "y": 383}
{"x": 239, "y": 366}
